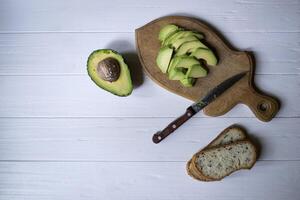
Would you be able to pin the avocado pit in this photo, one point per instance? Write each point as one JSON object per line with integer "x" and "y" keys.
{"x": 109, "y": 69}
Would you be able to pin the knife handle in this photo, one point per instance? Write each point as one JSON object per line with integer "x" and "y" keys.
{"x": 159, "y": 136}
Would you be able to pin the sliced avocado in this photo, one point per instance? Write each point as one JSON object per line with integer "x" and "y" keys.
{"x": 108, "y": 70}
{"x": 186, "y": 62}
{"x": 187, "y": 82}
{"x": 168, "y": 39}
{"x": 163, "y": 58}
{"x": 180, "y": 34}
{"x": 188, "y": 47}
{"x": 176, "y": 74}
{"x": 174, "y": 61}
{"x": 180, "y": 67}
{"x": 196, "y": 71}
{"x": 166, "y": 31}
{"x": 180, "y": 41}
{"x": 205, "y": 54}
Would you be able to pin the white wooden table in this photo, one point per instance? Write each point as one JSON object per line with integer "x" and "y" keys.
{"x": 63, "y": 138}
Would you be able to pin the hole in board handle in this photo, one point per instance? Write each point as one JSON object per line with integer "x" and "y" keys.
{"x": 263, "y": 106}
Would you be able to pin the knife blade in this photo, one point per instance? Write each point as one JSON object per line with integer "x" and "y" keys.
{"x": 197, "y": 106}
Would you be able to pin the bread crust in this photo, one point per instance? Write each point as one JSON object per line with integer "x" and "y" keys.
{"x": 224, "y": 146}
{"x": 234, "y": 126}
{"x": 226, "y": 130}
{"x": 191, "y": 167}
{"x": 192, "y": 173}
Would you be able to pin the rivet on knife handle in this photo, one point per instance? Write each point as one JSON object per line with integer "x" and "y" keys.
{"x": 159, "y": 136}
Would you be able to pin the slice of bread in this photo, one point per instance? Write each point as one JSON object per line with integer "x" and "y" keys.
{"x": 217, "y": 162}
{"x": 227, "y": 136}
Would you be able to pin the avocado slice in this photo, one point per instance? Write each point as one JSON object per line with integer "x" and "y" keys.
{"x": 163, "y": 58}
{"x": 186, "y": 62}
{"x": 108, "y": 70}
{"x": 180, "y": 41}
{"x": 205, "y": 54}
{"x": 196, "y": 71}
{"x": 176, "y": 74}
{"x": 174, "y": 61}
{"x": 187, "y": 82}
{"x": 168, "y": 39}
{"x": 180, "y": 66}
{"x": 180, "y": 34}
{"x": 166, "y": 31}
{"x": 188, "y": 47}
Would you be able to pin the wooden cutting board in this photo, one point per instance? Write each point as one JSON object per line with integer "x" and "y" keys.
{"x": 231, "y": 62}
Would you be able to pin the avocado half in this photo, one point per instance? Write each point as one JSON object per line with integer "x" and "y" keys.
{"x": 109, "y": 71}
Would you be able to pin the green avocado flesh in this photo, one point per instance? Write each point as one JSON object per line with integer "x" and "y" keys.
{"x": 163, "y": 58}
{"x": 196, "y": 71}
{"x": 173, "y": 63}
{"x": 186, "y": 62}
{"x": 188, "y": 47}
{"x": 176, "y": 74}
{"x": 180, "y": 54}
{"x": 187, "y": 82}
{"x": 180, "y": 68}
{"x": 176, "y": 44}
{"x": 206, "y": 55}
{"x": 180, "y": 34}
{"x": 122, "y": 86}
{"x": 166, "y": 31}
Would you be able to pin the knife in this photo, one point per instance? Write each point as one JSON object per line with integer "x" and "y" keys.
{"x": 197, "y": 106}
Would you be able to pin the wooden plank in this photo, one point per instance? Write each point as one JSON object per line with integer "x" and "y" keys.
{"x": 64, "y": 138}
{"x": 129, "y": 139}
{"x": 93, "y": 15}
{"x": 147, "y": 180}
{"x": 66, "y": 53}
{"x": 69, "y": 96}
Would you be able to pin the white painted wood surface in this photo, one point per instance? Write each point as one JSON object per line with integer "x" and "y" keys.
{"x": 63, "y": 138}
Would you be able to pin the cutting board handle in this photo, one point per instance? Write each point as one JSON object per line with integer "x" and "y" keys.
{"x": 264, "y": 107}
